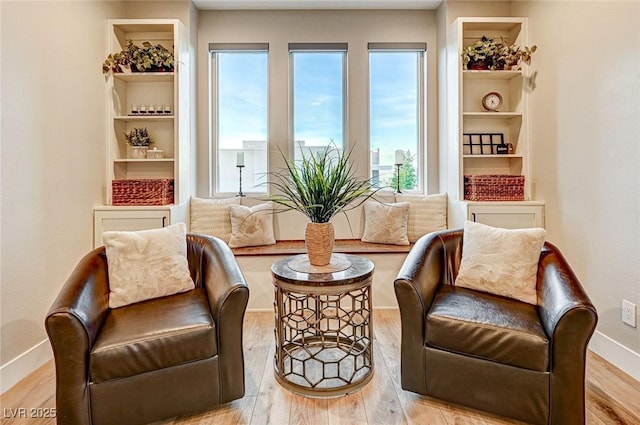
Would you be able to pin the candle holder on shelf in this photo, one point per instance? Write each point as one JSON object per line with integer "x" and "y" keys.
{"x": 240, "y": 194}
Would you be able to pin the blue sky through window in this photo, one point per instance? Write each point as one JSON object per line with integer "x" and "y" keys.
{"x": 394, "y": 101}
{"x": 242, "y": 120}
{"x": 242, "y": 98}
{"x": 318, "y": 107}
{"x": 318, "y": 97}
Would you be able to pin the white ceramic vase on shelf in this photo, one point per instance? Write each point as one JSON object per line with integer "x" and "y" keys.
{"x": 138, "y": 152}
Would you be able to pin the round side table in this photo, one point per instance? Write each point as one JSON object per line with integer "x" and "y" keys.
{"x": 323, "y": 325}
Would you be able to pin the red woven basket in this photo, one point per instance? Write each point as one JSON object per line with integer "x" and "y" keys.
{"x": 493, "y": 187}
{"x": 142, "y": 192}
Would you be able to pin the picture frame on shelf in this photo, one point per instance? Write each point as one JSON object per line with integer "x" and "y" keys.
{"x": 483, "y": 144}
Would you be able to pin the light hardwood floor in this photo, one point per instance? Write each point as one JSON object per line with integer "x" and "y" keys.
{"x": 612, "y": 396}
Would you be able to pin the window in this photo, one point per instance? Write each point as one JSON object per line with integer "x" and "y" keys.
{"x": 318, "y": 87}
{"x": 239, "y": 129}
{"x": 396, "y": 97}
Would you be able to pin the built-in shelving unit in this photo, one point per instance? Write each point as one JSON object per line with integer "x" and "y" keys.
{"x": 466, "y": 88}
{"x": 169, "y": 131}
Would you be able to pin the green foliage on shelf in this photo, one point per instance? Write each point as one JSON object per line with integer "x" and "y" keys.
{"x": 496, "y": 54}
{"x": 149, "y": 57}
{"x": 138, "y": 136}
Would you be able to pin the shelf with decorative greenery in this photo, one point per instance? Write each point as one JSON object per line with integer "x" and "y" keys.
{"x": 145, "y": 77}
{"x": 509, "y": 80}
{"x": 491, "y": 75}
{"x": 160, "y": 80}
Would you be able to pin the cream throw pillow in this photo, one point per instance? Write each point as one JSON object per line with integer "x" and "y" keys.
{"x": 386, "y": 223}
{"x": 147, "y": 264}
{"x": 501, "y": 261}
{"x": 426, "y": 214}
{"x": 251, "y": 226}
{"x": 211, "y": 217}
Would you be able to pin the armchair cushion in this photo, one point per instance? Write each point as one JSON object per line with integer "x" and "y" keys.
{"x": 489, "y": 327}
{"x": 501, "y": 261}
{"x": 152, "y": 335}
{"x": 147, "y": 264}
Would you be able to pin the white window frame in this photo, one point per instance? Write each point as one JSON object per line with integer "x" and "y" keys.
{"x": 213, "y": 107}
{"x": 420, "y": 48}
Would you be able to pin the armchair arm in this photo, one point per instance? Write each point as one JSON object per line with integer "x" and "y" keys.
{"x": 569, "y": 319}
{"x": 72, "y": 324}
{"x": 228, "y": 295}
{"x": 422, "y": 272}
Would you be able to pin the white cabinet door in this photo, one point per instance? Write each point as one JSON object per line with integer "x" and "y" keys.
{"x": 509, "y": 217}
{"x": 127, "y": 220}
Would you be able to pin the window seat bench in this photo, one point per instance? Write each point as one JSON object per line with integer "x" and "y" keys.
{"x": 256, "y": 262}
{"x": 344, "y": 246}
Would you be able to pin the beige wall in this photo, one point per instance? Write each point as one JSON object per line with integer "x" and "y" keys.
{"x": 53, "y": 127}
{"x": 585, "y": 115}
{"x": 53, "y": 154}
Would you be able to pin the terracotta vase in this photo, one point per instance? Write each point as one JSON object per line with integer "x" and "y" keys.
{"x": 477, "y": 66}
{"x": 319, "y": 238}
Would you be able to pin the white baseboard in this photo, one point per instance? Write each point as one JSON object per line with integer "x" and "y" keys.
{"x": 22, "y": 366}
{"x": 617, "y": 354}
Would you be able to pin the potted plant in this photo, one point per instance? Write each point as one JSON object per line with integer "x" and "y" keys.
{"x": 481, "y": 54}
{"x": 149, "y": 57}
{"x": 139, "y": 140}
{"x": 320, "y": 186}
{"x": 513, "y": 56}
{"x": 491, "y": 54}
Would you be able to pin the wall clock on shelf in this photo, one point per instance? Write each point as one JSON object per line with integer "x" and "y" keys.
{"x": 492, "y": 101}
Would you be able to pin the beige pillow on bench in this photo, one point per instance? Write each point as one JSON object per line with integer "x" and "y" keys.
{"x": 386, "y": 223}
{"x": 211, "y": 217}
{"x": 251, "y": 226}
{"x": 427, "y": 213}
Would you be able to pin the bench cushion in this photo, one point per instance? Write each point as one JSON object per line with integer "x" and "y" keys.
{"x": 152, "y": 335}
{"x": 343, "y": 246}
{"x": 489, "y": 327}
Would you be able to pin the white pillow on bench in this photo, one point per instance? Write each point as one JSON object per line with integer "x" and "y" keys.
{"x": 386, "y": 223}
{"x": 251, "y": 226}
{"x": 212, "y": 217}
{"x": 427, "y": 213}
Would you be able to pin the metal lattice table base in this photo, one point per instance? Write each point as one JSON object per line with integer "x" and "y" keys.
{"x": 323, "y": 337}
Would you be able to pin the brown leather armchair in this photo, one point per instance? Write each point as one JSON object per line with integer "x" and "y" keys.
{"x": 490, "y": 352}
{"x": 151, "y": 360}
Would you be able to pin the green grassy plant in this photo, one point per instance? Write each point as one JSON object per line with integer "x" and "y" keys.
{"x": 321, "y": 185}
